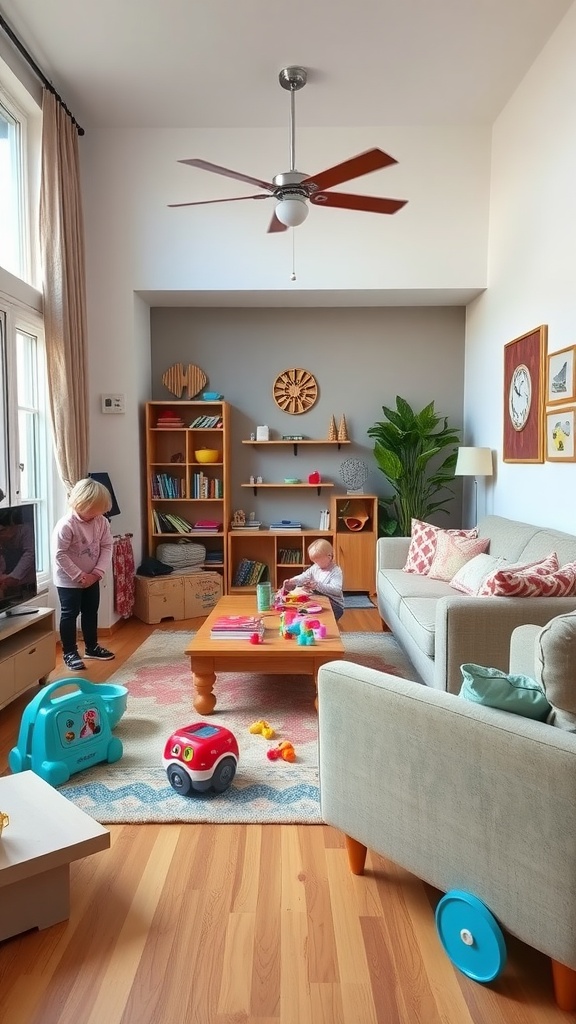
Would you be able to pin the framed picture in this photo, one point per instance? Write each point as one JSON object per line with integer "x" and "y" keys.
{"x": 524, "y": 386}
{"x": 560, "y": 385}
{"x": 560, "y": 434}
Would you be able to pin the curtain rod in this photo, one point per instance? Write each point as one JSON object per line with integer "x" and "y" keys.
{"x": 37, "y": 71}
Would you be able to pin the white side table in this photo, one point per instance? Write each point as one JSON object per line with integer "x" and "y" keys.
{"x": 46, "y": 833}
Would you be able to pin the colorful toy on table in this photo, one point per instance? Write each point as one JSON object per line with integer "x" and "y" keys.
{"x": 60, "y": 736}
{"x": 296, "y": 597}
{"x": 262, "y": 728}
{"x": 256, "y": 638}
{"x": 306, "y": 638}
{"x": 284, "y": 750}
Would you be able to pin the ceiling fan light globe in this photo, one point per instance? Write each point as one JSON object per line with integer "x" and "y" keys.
{"x": 292, "y": 211}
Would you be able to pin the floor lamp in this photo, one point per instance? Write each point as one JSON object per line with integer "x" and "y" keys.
{"x": 474, "y": 462}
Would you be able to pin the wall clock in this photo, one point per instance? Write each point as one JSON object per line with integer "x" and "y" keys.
{"x": 295, "y": 391}
{"x": 520, "y": 396}
{"x": 524, "y": 382}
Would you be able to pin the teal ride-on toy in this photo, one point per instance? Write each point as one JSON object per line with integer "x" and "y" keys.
{"x": 62, "y": 735}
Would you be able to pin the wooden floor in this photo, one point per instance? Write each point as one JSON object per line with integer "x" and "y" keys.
{"x": 222, "y": 924}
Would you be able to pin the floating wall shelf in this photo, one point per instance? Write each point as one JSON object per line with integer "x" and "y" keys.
{"x": 296, "y": 443}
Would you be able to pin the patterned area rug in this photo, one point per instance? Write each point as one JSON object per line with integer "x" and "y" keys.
{"x": 136, "y": 789}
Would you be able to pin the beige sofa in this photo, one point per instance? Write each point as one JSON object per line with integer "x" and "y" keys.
{"x": 462, "y": 795}
{"x": 440, "y": 628}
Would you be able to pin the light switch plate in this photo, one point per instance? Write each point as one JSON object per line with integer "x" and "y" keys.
{"x": 113, "y": 403}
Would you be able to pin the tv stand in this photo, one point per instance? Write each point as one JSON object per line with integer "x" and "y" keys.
{"x": 27, "y": 652}
{"x": 21, "y": 611}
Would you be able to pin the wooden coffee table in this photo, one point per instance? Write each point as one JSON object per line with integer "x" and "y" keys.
{"x": 275, "y": 655}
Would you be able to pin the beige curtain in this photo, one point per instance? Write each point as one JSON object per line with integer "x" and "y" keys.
{"x": 64, "y": 288}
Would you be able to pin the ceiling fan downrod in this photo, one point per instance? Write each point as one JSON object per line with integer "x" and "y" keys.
{"x": 293, "y": 79}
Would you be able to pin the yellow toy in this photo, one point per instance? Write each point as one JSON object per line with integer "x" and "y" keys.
{"x": 263, "y": 728}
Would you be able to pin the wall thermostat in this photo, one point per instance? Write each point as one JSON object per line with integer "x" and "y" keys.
{"x": 113, "y": 403}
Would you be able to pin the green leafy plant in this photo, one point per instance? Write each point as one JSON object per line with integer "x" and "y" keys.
{"x": 407, "y": 448}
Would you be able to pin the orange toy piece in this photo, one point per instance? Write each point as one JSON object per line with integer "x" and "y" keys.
{"x": 284, "y": 750}
{"x": 263, "y": 728}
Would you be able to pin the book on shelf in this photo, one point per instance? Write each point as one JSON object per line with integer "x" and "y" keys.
{"x": 285, "y": 524}
{"x": 179, "y": 524}
{"x": 324, "y": 519}
{"x": 210, "y": 525}
{"x": 206, "y": 422}
{"x": 249, "y": 571}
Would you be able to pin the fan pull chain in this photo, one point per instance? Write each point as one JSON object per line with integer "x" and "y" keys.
{"x": 293, "y": 274}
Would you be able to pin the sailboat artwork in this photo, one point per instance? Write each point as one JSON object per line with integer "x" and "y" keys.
{"x": 562, "y": 376}
{"x": 558, "y": 382}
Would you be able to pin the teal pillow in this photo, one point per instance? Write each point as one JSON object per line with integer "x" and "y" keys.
{"x": 495, "y": 689}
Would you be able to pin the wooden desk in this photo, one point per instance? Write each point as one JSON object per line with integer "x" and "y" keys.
{"x": 275, "y": 655}
{"x": 46, "y": 832}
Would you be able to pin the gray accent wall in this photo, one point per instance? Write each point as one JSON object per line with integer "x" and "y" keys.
{"x": 361, "y": 359}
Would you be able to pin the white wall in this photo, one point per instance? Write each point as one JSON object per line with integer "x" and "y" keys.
{"x": 531, "y": 270}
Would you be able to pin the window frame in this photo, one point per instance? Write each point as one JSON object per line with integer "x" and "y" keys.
{"x": 19, "y": 318}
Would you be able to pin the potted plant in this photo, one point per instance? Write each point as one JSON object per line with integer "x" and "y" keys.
{"x": 407, "y": 446}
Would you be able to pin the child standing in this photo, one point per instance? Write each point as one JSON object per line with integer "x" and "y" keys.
{"x": 323, "y": 577}
{"x": 82, "y": 544}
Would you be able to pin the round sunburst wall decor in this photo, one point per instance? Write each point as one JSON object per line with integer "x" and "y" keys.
{"x": 295, "y": 391}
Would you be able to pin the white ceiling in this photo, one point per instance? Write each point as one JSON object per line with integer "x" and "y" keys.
{"x": 214, "y": 63}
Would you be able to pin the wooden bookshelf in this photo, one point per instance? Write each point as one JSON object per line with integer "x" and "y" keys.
{"x": 174, "y": 475}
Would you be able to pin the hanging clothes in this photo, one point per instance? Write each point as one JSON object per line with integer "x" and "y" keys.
{"x": 123, "y": 573}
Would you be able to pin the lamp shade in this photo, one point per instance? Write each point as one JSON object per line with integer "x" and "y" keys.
{"x": 474, "y": 462}
{"x": 292, "y": 211}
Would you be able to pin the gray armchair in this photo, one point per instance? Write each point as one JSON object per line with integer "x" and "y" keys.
{"x": 464, "y": 796}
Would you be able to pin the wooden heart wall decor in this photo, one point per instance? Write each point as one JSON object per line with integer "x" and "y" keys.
{"x": 176, "y": 378}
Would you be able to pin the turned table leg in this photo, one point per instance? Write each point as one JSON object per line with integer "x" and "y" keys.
{"x": 204, "y": 701}
{"x": 356, "y": 855}
{"x": 564, "y": 979}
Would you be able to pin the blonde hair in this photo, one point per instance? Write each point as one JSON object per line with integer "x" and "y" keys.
{"x": 320, "y": 547}
{"x": 90, "y": 496}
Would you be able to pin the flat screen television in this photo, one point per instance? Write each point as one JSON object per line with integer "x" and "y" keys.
{"x": 17, "y": 559}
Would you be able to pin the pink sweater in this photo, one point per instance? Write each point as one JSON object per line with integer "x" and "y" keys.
{"x": 80, "y": 548}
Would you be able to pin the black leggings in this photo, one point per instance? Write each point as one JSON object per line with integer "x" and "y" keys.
{"x": 83, "y": 602}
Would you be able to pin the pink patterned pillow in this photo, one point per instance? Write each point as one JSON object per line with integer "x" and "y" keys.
{"x": 495, "y": 584}
{"x": 452, "y": 553}
{"x": 423, "y": 545}
{"x": 561, "y": 583}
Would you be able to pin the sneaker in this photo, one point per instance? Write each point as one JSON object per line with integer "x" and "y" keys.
{"x": 99, "y": 654}
{"x": 73, "y": 661}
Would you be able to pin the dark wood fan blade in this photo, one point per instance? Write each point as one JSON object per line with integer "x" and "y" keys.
{"x": 276, "y": 225}
{"x": 206, "y": 202}
{"x": 372, "y": 204}
{"x": 204, "y": 165}
{"x": 364, "y": 163}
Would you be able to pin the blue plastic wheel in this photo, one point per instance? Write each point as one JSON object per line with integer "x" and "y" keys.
{"x": 470, "y": 935}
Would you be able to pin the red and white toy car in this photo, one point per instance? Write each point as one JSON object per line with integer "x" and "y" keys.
{"x": 200, "y": 756}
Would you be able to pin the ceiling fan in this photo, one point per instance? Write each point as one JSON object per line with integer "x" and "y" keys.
{"x": 292, "y": 190}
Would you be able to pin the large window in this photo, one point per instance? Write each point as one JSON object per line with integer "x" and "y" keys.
{"x": 26, "y": 458}
{"x": 13, "y": 222}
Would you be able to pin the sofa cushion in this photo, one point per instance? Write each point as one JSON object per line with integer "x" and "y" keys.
{"x": 418, "y": 616}
{"x": 555, "y": 657}
{"x": 395, "y": 584}
{"x": 452, "y": 553}
{"x": 541, "y": 567}
{"x": 518, "y": 694}
{"x": 561, "y": 583}
{"x": 469, "y": 579}
{"x": 423, "y": 541}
